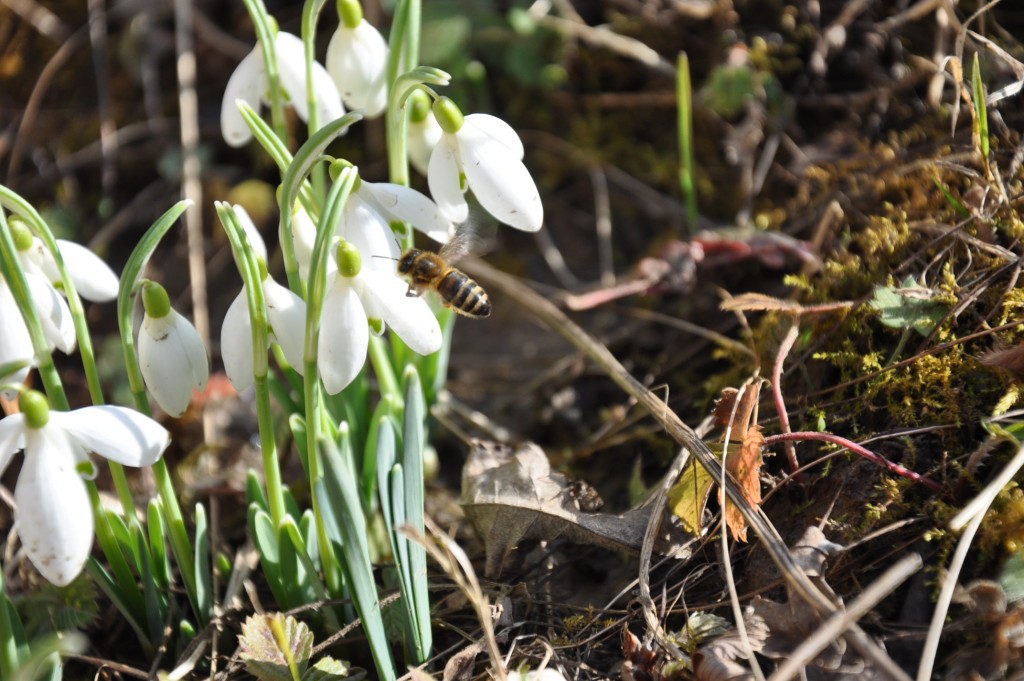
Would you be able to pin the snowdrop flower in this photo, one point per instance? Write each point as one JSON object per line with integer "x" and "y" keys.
{"x": 53, "y": 513}
{"x": 357, "y": 59}
{"x": 424, "y": 132}
{"x": 361, "y": 296}
{"x": 52, "y": 309}
{"x": 93, "y": 278}
{"x": 171, "y": 353}
{"x": 249, "y": 84}
{"x": 482, "y": 153}
{"x": 286, "y": 317}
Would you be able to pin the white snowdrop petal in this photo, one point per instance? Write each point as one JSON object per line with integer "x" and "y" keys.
{"x": 173, "y": 361}
{"x": 195, "y": 350}
{"x": 286, "y": 313}
{"x": 15, "y": 341}
{"x": 422, "y": 138}
{"x": 54, "y": 314}
{"x": 161, "y": 361}
{"x": 344, "y": 337}
{"x": 500, "y": 181}
{"x": 118, "y": 433}
{"x": 408, "y": 316}
{"x": 494, "y": 127}
{"x": 236, "y": 343}
{"x": 443, "y": 180}
{"x": 291, "y": 66}
{"x": 371, "y": 235}
{"x": 12, "y": 438}
{"x": 304, "y": 238}
{"x": 251, "y": 233}
{"x": 246, "y": 85}
{"x": 93, "y": 278}
{"x": 357, "y": 61}
{"x": 405, "y": 204}
{"x": 54, "y": 517}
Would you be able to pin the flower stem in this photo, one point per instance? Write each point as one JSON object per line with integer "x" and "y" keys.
{"x": 253, "y": 286}
{"x": 266, "y": 34}
{"x": 333, "y": 208}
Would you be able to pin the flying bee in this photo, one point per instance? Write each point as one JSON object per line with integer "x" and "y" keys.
{"x": 427, "y": 270}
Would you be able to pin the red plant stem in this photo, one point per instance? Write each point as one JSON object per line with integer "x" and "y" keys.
{"x": 856, "y": 448}
{"x": 780, "y": 404}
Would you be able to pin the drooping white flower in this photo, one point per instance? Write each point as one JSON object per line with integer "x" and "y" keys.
{"x": 363, "y": 296}
{"x": 249, "y": 84}
{"x": 286, "y": 317}
{"x": 171, "y": 353}
{"x": 54, "y": 317}
{"x": 357, "y": 59}
{"x": 93, "y": 278}
{"x": 424, "y": 131}
{"x": 482, "y": 153}
{"x": 53, "y": 514}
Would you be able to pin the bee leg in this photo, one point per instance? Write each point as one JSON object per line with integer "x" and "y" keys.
{"x": 412, "y": 292}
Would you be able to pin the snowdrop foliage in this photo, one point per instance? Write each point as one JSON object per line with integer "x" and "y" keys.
{"x": 357, "y": 58}
{"x": 53, "y": 514}
{"x": 482, "y": 153}
{"x": 249, "y": 84}
{"x": 172, "y": 356}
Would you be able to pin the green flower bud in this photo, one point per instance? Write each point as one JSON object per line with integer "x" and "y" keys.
{"x": 36, "y": 409}
{"x": 448, "y": 115}
{"x": 350, "y": 12}
{"x": 154, "y": 299}
{"x": 334, "y": 170}
{"x": 21, "y": 234}
{"x": 348, "y": 259}
{"x": 419, "y": 106}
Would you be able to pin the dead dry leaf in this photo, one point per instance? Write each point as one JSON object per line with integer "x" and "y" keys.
{"x": 689, "y": 497}
{"x": 746, "y": 469}
{"x": 511, "y": 495}
{"x": 758, "y": 302}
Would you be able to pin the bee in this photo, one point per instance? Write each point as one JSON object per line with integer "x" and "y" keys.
{"x": 427, "y": 270}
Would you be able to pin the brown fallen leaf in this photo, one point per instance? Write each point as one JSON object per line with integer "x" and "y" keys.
{"x": 746, "y": 469}
{"x": 792, "y": 622}
{"x": 689, "y": 496}
{"x": 511, "y": 495}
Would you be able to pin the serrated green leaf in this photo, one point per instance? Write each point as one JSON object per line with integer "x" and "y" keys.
{"x": 275, "y": 647}
{"x": 907, "y": 307}
{"x": 329, "y": 669}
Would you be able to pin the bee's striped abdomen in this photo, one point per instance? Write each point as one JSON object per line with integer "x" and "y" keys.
{"x": 464, "y": 295}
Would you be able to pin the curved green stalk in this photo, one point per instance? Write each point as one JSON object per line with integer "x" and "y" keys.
{"x": 14, "y": 274}
{"x": 310, "y": 14}
{"x": 253, "y": 286}
{"x": 293, "y": 183}
{"x": 181, "y": 543}
{"x": 265, "y": 33}
{"x": 333, "y": 208}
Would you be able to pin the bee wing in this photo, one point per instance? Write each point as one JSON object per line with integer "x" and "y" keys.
{"x": 465, "y": 241}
